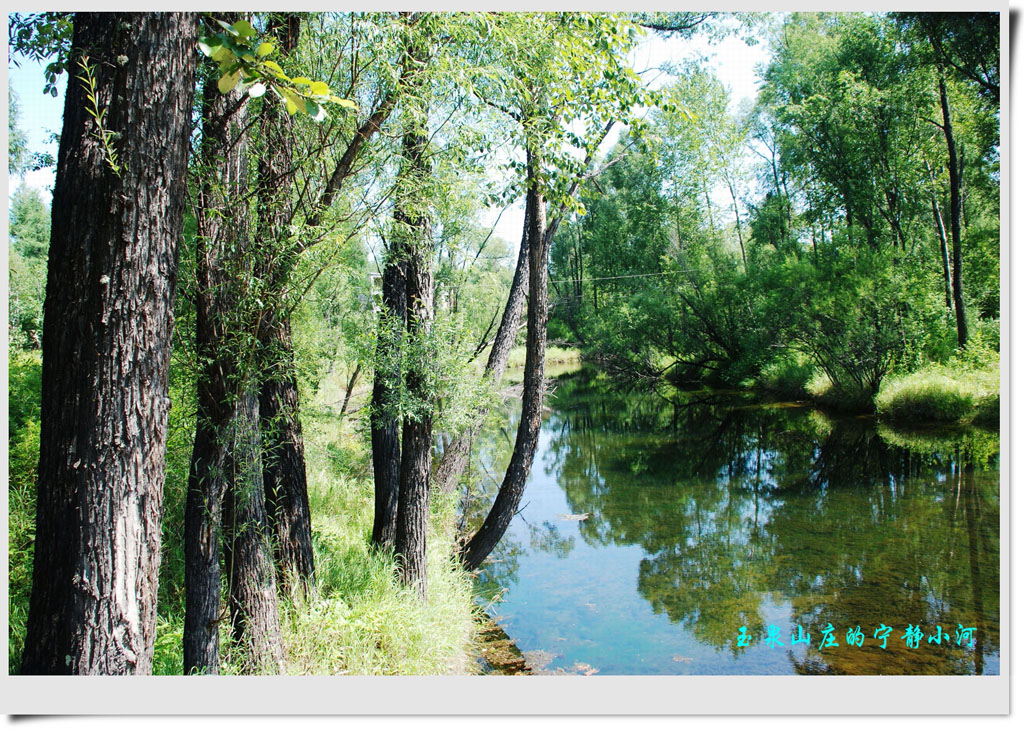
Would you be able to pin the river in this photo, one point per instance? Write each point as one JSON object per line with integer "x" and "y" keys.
{"x": 712, "y": 533}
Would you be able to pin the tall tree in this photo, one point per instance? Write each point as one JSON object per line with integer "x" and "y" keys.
{"x": 118, "y": 204}
{"x": 284, "y": 462}
{"x": 225, "y": 504}
{"x": 572, "y": 71}
{"x": 413, "y": 221}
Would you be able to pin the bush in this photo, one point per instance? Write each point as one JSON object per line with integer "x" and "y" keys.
{"x": 787, "y": 375}
{"x": 847, "y": 397}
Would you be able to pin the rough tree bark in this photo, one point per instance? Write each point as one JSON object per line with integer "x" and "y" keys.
{"x": 417, "y": 427}
{"x": 385, "y": 430}
{"x": 223, "y": 181}
{"x": 385, "y": 436}
{"x": 285, "y": 474}
{"x": 284, "y": 462}
{"x": 511, "y": 491}
{"x": 248, "y": 555}
{"x": 106, "y": 346}
{"x": 226, "y": 452}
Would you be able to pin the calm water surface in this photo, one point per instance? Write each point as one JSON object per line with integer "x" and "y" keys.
{"x": 657, "y": 523}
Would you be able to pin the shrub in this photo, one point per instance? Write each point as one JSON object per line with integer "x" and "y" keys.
{"x": 846, "y": 397}
{"x": 966, "y": 389}
{"x": 787, "y": 375}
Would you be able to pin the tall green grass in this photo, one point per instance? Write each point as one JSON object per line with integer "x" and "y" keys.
{"x": 358, "y": 619}
{"x": 964, "y": 390}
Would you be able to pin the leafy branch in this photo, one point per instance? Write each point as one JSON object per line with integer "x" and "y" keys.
{"x": 245, "y": 64}
{"x": 103, "y": 135}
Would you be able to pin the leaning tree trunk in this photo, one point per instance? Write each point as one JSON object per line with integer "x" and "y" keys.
{"x": 284, "y": 461}
{"x": 954, "y": 219}
{"x": 456, "y": 455}
{"x": 106, "y": 346}
{"x": 511, "y": 491}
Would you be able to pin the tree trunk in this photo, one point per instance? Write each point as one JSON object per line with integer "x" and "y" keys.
{"x": 385, "y": 438}
{"x": 417, "y": 428}
{"x": 954, "y": 219}
{"x": 350, "y": 387}
{"x": 248, "y": 554}
{"x": 739, "y": 229}
{"x": 943, "y": 252}
{"x": 284, "y": 461}
{"x": 456, "y": 454}
{"x": 511, "y": 491}
{"x": 226, "y": 454}
{"x": 217, "y": 236}
{"x": 106, "y": 347}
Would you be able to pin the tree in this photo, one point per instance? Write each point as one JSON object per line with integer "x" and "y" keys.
{"x": 17, "y": 144}
{"x": 225, "y": 505}
{"x": 117, "y": 219}
{"x": 30, "y": 242}
{"x": 573, "y": 71}
{"x": 284, "y": 464}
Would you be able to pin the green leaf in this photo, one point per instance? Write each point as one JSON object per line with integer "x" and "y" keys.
{"x": 265, "y": 49}
{"x": 228, "y": 82}
{"x": 302, "y": 80}
{"x": 244, "y": 29}
{"x": 319, "y": 88}
{"x": 221, "y": 53}
{"x": 278, "y": 71}
{"x": 347, "y": 103}
{"x": 226, "y": 26}
{"x": 205, "y": 48}
{"x": 293, "y": 102}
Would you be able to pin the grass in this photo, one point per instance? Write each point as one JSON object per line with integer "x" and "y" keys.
{"x": 359, "y": 619}
{"x": 965, "y": 390}
{"x": 553, "y": 355}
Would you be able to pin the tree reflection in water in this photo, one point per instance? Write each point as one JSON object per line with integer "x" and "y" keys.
{"x": 740, "y": 506}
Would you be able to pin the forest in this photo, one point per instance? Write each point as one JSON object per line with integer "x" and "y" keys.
{"x": 266, "y": 327}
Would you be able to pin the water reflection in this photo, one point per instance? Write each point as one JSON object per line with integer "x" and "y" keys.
{"x": 708, "y": 511}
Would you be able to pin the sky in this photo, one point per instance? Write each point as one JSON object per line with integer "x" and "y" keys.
{"x": 733, "y": 60}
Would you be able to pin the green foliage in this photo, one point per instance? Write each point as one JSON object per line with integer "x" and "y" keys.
{"x": 244, "y": 63}
{"x": 24, "y": 381}
{"x": 17, "y": 143}
{"x": 925, "y": 396}
{"x": 787, "y": 375}
{"x": 42, "y": 37}
{"x": 24, "y": 384}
